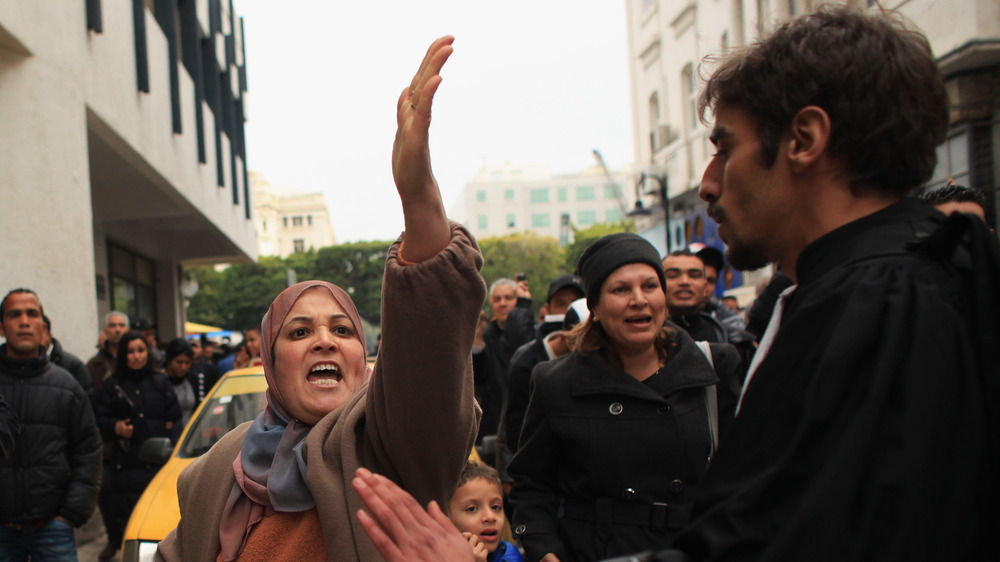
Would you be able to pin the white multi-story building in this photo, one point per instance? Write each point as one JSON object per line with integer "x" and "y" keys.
{"x": 516, "y": 198}
{"x": 669, "y": 40}
{"x": 289, "y": 222}
{"x": 122, "y": 156}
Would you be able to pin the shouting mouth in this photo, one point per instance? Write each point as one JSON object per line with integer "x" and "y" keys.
{"x": 325, "y": 374}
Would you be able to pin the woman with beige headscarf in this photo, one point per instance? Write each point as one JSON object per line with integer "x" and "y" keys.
{"x": 279, "y": 487}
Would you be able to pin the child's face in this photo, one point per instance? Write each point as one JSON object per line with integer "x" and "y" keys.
{"x": 477, "y": 508}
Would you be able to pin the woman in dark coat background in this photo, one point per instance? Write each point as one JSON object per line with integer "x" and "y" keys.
{"x": 135, "y": 403}
{"x": 619, "y": 432}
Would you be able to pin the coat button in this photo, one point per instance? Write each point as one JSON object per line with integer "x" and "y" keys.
{"x": 615, "y": 408}
{"x": 628, "y": 493}
{"x": 677, "y": 486}
{"x": 663, "y": 410}
{"x": 519, "y": 529}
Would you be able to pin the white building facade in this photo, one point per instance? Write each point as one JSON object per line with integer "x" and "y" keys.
{"x": 509, "y": 199}
{"x": 289, "y": 222}
{"x": 122, "y": 156}
{"x": 669, "y": 39}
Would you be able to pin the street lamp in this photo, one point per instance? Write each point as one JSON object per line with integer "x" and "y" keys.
{"x": 639, "y": 210}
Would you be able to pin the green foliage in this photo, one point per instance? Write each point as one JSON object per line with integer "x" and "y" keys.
{"x": 583, "y": 238}
{"x": 538, "y": 257}
{"x": 357, "y": 268}
{"x": 237, "y": 297}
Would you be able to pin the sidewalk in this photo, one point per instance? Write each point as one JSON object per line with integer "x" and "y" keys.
{"x": 91, "y": 539}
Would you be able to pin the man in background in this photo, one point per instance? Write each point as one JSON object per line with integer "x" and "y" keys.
{"x": 102, "y": 365}
{"x": 954, "y": 198}
{"x": 66, "y": 360}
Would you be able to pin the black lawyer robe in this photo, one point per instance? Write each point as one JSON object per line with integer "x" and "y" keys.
{"x": 870, "y": 430}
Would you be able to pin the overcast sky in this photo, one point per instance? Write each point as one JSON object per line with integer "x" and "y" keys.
{"x": 530, "y": 81}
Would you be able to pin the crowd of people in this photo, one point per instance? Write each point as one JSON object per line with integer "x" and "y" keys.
{"x": 637, "y": 415}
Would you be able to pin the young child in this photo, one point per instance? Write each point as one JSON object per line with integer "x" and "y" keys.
{"x": 476, "y": 509}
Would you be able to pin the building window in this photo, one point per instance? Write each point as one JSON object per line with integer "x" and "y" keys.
{"x": 484, "y": 223}
{"x": 264, "y": 225}
{"x": 586, "y": 218}
{"x": 585, "y": 193}
{"x": 612, "y": 215}
{"x": 540, "y": 220}
{"x": 481, "y": 196}
{"x": 561, "y": 194}
{"x": 511, "y": 220}
{"x": 297, "y": 221}
{"x": 540, "y": 195}
{"x": 953, "y": 159}
{"x": 299, "y": 245}
{"x": 133, "y": 283}
{"x": 508, "y": 194}
{"x": 285, "y": 221}
{"x": 611, "y": 191}
{"x": 309, "y": 220}
{"x": 690, "y": 96}
{"x": 654, "y": 122}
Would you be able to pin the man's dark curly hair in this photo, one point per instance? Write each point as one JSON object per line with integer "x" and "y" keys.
{"x": 873, "y": 74}
{"x": 954, "y": 194}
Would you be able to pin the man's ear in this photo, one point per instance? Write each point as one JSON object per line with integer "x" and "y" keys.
{"x": 809, "y": 137}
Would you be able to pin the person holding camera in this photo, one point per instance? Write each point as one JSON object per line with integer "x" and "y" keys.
{"x": 511, "y": 326}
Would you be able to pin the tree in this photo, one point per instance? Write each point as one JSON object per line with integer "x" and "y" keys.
{"x": 583, "y": 238}
{"x": 538, "y": 257}
{"x": 357, "y": 268}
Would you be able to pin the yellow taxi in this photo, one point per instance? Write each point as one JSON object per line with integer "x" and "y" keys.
{"x": 236, "y": 398}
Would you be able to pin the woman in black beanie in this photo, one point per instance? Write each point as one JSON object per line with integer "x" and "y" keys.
{"x": 619, "y": 432}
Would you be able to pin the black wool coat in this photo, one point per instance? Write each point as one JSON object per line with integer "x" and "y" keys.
{"x": 150, "y": 403}
{"x": 599, "y": 448}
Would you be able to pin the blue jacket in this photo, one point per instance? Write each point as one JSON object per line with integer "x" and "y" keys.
{"x": 505, "y": 552}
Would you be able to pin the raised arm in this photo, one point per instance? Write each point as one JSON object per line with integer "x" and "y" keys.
{"x": 427, "y": 229}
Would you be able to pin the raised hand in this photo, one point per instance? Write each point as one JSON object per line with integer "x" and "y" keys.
{"x": 427, "y": 231}
{"x": 401, "y": 530}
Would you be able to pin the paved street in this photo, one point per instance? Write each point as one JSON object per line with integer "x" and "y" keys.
{"x": 90, "y": 539}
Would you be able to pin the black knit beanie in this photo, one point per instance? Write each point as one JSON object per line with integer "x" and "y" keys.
{"x": 610, "y": 252}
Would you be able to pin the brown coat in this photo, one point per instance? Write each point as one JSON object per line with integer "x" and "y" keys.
{"x": 415, "y": 421}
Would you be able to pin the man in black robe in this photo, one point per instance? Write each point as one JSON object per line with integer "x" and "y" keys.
{"x": 868, "y": 425}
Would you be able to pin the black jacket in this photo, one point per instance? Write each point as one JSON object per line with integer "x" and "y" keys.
{"x": 72, "y": 364}
{"x": 702, "y": 326}
{"x": 490, "y": 363}
{"x": 606, "y": 447}
{"x": 9, "y": 429}
{"x": 55, "y": 467}
{"x": 145, "y": 397}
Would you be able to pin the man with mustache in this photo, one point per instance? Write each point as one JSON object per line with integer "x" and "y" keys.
{"x": 875, "y": 380}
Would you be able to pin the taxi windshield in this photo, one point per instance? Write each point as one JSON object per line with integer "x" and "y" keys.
{"x": 218, "y": 416}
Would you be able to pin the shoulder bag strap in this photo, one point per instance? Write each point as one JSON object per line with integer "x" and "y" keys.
{"x": 711, "y": 400}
